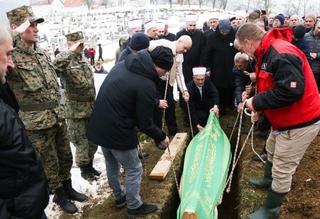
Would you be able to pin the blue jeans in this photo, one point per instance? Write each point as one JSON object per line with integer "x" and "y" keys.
{"x": 133, "y": 170}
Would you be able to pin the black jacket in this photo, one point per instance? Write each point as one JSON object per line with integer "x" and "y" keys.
{"x": 314, "y": 46}
{"x": 23, "y": 186}
{"x": 126, "y": 101}
{"x": 124, "y": 54}
{"x": 199, "y": 107}
{"x": 241, "y": 80}
{"x": 193, "y": 56}
{"x": 218, "y": 56}
{"x": 170, "y": 37}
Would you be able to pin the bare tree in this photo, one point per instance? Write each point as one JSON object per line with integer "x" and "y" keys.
{"x": 248, "y": 5}
{"x": 305, "y": 5}
{"x": 170, "y": 2}
{"x": 200, "y": 3}
{"x": 89, "y": 3}
{"x": 223, "y": 4}
{"x": 267, "y": 5}
{"x": 181, "y": 2}
{"x": 105, "y": 3}
{"x": 214, "y": 3}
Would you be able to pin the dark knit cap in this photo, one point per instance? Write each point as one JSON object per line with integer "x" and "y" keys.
{"x": 139, "y": 41}
{"x": 299, "y": 31}
{"x": 162, "y": 57}
{"x": 224, "y": 26}
{"x": 280, "y": 17}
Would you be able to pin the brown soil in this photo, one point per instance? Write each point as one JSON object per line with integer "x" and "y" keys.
{"x": 302, "y": 202}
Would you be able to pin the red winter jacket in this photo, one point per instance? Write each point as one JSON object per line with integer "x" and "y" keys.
{"x": 287, "y": 91}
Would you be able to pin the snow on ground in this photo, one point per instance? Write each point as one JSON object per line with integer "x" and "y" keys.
{"x": 98, "y": 190}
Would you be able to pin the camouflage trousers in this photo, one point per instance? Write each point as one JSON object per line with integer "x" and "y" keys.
{"x": 85, "y": 149}
{"x": 54, "y": 148}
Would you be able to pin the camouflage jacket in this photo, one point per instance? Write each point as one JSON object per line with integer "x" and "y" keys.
{"x": 79, "y": 84}
{"x": 34, "y": 82}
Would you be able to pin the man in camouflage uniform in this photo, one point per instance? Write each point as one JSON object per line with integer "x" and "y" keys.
{"x": 35, "y": 85}
{"x": 80, "y": 94}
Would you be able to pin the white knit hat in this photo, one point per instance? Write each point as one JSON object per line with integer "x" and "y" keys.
{"x": 191, "y": 18}
{"x": 160, "y": 25}
{"x": 134, "y": 23}
{"x": 199, "y": 71}
{"x": 149, "y": 25}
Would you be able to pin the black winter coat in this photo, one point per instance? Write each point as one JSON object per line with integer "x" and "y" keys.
{"x": 199, "y": 107}
{"x": 126, "y": 100}
{"x": 314, "y": 46}
{"x": 241, "y": 80}
{"x": 219, "y": 57}
{"x": 193, "y": 57}
{"x": 23, "y": 186}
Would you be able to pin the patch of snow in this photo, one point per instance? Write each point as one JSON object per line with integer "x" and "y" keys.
{"x": 97, "y": 191}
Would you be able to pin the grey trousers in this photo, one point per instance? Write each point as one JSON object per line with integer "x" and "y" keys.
{"x": 133, "y": 170}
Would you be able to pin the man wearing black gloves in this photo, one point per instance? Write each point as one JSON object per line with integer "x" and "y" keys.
{"x": 126, "y": 101}
{"x": 23, "y": 186}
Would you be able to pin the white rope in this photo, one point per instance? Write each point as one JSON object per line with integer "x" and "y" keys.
{"x": 190, "y": 122}
{"x": 169, "y": 152}
{"x": 234, "y": 126}
{"x": 229, "y": 180}
{"x": 165, "y": 98}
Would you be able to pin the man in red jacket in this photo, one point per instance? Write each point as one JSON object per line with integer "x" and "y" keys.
{"x": 288, "y": 96}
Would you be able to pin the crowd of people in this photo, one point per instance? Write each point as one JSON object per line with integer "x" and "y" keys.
{"x": 267, "y": 64}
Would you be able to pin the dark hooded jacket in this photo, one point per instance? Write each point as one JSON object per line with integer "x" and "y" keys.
{"x": 23, "y": 185}
{"x": 218, "y": 56}
{"x": 126, "y": 102}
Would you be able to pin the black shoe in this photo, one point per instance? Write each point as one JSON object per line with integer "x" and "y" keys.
{"x": 86, "y": 172}
{"x": 144, "y": 209}
{"x": 73, "y": 194}
{"x": 93, "y": 170}
{"x": 60, "y": 198}
{"x": 121, "y": 202}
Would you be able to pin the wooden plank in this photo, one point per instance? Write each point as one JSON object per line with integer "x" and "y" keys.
{"x": 162, "y": 168}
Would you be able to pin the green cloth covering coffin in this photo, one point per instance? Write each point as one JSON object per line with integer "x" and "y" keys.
{"x": 205, "y": 172}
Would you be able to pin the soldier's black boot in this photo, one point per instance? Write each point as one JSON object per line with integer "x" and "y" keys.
{"x": 94, "y": 171}
{"x": 270, "y": 208}
{"x": 60, "y": 198}
{"x": 266, "y": 181}
{"x": 87, "y": 173}
{"x": 73, "y": 194}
